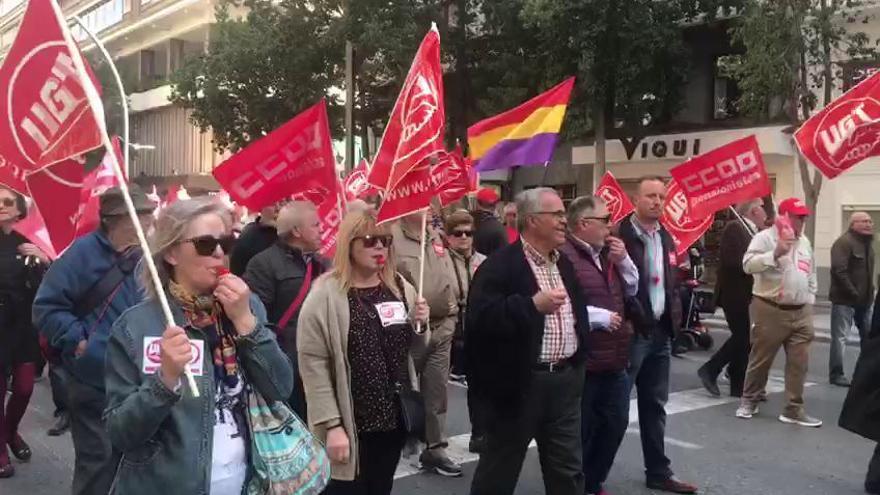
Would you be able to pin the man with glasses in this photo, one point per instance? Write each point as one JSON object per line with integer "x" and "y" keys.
{"x": 527, "y": 324}
{"x": 82, "y": 294}
{"x": 432, "y": 358}
{"x": 653, "y": 252}
{"x": 607, "y": 276}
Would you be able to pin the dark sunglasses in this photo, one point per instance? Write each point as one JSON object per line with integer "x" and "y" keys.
{"x": 370, "y": 241}
{"x": 7, "y": 202}
{"x": 462, "y": 233}
{"x": 206, "y": 244}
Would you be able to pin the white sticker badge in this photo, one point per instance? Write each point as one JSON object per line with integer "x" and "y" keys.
{"x": 153, "y": 356}
{"x": 391, "y": 313}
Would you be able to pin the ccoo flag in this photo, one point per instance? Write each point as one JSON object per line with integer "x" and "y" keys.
{"x": 525, "y": 135}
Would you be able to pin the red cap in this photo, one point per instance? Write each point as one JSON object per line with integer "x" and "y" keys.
{"x": 488, "y": 196}
{"x": 794, "y": 206}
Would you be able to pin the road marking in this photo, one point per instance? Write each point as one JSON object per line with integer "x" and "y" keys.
{"x": 679, "y": 402}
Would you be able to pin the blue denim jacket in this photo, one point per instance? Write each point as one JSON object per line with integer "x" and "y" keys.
{"x": 166, "y": 437}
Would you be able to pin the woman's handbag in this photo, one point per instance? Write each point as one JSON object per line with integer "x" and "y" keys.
{"x": 412, "y": 413}
{"x": 286, "y": 457}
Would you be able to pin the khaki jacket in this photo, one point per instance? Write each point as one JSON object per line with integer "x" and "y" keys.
{"x": 322, "y": 347}
{"x": 439, "y": 277}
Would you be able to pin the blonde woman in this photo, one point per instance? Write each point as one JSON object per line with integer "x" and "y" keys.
{"x": 172, "y": 442}
{"x": 354, "y": 335}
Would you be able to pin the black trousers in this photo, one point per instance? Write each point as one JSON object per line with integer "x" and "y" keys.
{"x": 551, "y": 415}
{"x": 378, "y": 455}
{"x": 872, "y": 480}
{"x": 735, "y": 352}
{"x": 58, "y": 385}
{"x": 96, "y": 461}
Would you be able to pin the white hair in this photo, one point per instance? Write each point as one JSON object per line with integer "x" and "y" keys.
{"x": 292, "y": 216}
{"x": 528, "y": 203}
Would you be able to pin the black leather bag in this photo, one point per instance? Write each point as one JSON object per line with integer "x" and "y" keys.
{"x": 412, "y": 413}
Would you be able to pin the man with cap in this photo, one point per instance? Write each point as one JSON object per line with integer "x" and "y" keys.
{"x": 781, "y": 260}
{"x": 82, "y": 294}
{"x": 489, "y": 235}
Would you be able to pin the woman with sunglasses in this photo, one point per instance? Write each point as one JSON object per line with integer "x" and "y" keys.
{"x": 355, "y": 331}
{"x": 172, "y": 442}
{"x": 21, "y": 267}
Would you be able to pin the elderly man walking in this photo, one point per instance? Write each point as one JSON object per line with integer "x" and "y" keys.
{"x": 607, "y": 276}
{"x": 527, "y": 324}
{"x": 781, "y": 259}
{"x": 852, "y": 289}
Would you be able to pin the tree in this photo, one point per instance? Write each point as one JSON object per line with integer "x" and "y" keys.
{"x": 795, "y": 48}
{"x": 262, "y": 70}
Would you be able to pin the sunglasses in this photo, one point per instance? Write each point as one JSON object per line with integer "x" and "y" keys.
{"x": 462, "y": 233}
{"x": 370, "y": 241}
{"x": 206, "y": 244}
{"x": 7, "y": 202}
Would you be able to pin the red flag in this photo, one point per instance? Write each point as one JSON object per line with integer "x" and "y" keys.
{"x": 294, "y": 158}
{"x": 845, "y": 132}
{"x": 356, "y": 185}
{"x": 47, "y": 118}
{"x": 616, "y": 200}
{"x": 327, "y": 198}
{"x": 458, "y": 178}
{"x": 56, "y": 191}
{"x": 416, "y": 126}
{"x": 436, "y": 176}
{"x": 94, "y": 185}
{"x": 724, "y": 176}
{"x": 684, "y": 227}
{"x": 33, "y": 228}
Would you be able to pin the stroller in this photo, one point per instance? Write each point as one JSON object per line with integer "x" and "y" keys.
{"x": 695, "y": 300}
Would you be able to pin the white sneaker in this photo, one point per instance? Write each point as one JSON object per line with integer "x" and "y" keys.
{"x": 746, "y": 411}
{"x": 801, "y": 419}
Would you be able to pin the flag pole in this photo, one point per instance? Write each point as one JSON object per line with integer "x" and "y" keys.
{"x": 97, "y": 109}
{"x": 546, "y": 169}
{"x": 422, "y": 262}
{"x": 742, "y": 221}
{"x": 119, "y": 86}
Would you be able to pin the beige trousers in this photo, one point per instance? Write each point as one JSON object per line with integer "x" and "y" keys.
{"x": 432, "y": 364}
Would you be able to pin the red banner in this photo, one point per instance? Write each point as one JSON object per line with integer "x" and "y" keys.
{"x": 845, "y": 132}
{"x": 724, "y": 176}
{"x": 294, "y": 158}
{"x": 328, "y": 199}
{"x": 94, "y": 185}
{"x": 56, "y": 191}
{"x": 684, "y": 227}
{"x": 46, "y": 116}
{"x": 33, "y": 228}
{"x": 356, "y": 185}
{"x": 417, "y": 124}
{"x": 616, "y": 200}
{"x": 459, "y": 177}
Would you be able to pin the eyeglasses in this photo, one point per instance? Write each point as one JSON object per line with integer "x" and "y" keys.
{"x": 7, "y": 202}
{"x": 606, "y": 219}
{"x": 560, "y": 214}
{"x": 206, "y": 244}
{"x": 370, "y": 241}
{"x": 462, "y": 233}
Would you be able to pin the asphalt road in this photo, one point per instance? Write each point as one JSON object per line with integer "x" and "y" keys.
{"x": 707, "y": 444}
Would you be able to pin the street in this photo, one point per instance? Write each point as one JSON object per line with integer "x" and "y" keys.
{"x": 707, "y": 444}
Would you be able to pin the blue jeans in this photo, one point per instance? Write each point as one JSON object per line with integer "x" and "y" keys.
{"x": 649, "y": 372}
{"x": 842, "y": 320}
{"x": 604, "y": 418}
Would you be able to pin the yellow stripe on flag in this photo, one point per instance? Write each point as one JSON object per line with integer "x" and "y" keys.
{"x": 542, "y": 121}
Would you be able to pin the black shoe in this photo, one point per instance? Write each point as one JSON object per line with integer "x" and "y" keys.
{"x": 710, "y": 383}
{"x": 840, "y": 381}
{"x": 477, "y": 445}
{"x": 20, "y": 449}
{"x": 61, "y": 425}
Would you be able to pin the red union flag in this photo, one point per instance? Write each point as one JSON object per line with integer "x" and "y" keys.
{"x": 458, "y": 177}
{"x": 56, "y": 191}
{"x": 618, "y": 203}
{"x": 845, "y": 132}
{"x": 296, "y": 157}
{"x": 684, "y": 227}
{"x": 33, "y": 228}
{"x": 356, "y": 185}
{"x": 327, "y": 198}
{"x": 722, "y": 177}
{"x": 94, "y": 185}
{"x": 416, "y": 126}
{"x": 45, "y": 114}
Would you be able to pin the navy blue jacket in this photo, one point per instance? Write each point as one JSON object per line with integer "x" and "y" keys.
{"x": 69, "y": 278}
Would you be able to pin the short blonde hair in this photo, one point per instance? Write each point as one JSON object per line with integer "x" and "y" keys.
{"x": 358, "y": 224}
{"x": 291, "y": 216}
{"x": 170, "y": 228}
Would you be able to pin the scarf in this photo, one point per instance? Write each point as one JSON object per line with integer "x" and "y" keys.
{"x": 205, "y": 313}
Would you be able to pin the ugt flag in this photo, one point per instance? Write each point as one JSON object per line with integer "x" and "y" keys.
{"x": 684, "y": 227}
{"x": 418, "y": 120}
{"x": 616, "y": 200}
{"x": 845, "y": 132}
{"x": 295, "y": 158}
{"x": 722, "y": 177}
{"x": 46, "y": 117}
{"x": 57, "y": 191}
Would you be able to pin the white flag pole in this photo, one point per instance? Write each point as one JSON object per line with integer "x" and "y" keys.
{"x": 97, "y": 109}
{"x": 422, "y": 262}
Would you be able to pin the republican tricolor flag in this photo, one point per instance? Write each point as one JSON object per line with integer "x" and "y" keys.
{"x": 525, "y": 135}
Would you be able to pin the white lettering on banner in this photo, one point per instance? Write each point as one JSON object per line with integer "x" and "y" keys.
{"x": 17, "y": 172}
{"x": 731, "y": 167}
{"x": 56, "y": 104}
{"x": 677, "y": 207}
{"x": 737, "y": 184}
{"x": 288, "y": 160}
{"x": 417, "y": 187}
{"x": 840, "y": 131}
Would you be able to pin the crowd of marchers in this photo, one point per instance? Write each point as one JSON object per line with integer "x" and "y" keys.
{"x": 550, "y": 315}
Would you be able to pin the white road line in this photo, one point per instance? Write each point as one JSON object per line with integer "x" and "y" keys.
{"x": 679, "y": 402}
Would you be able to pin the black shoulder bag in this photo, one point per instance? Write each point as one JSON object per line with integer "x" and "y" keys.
{"x": 412, "y": 403}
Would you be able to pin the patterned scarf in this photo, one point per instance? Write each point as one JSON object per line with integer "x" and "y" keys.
{"x": 206, "y": 314}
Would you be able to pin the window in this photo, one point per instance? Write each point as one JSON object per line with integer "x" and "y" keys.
{"x": 101, "y": 17}
{"x": 725, "y": 92}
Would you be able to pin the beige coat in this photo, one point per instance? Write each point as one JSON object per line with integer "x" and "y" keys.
{"x": 322, "y": 348}
{"x": 439, "y": 277}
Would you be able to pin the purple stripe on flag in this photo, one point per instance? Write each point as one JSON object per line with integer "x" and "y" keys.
{"x": 535, "y": 150}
